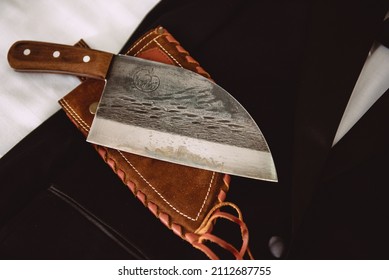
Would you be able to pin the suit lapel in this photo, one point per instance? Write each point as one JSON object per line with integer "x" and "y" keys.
{"x": 340, "y": 36}
{"x": 369, "y": 136}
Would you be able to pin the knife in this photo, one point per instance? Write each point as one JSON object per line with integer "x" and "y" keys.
{"x": 158, "y": 110}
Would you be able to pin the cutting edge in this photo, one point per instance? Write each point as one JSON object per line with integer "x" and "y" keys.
{"x": 184, "y": 150}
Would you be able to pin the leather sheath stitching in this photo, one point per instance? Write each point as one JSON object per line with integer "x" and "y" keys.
{"x": 74, "y": 114}
{"x": 86, "y": 127}
{"x": 169, "y": 54}
{"x": 164, "y": 199}
{"x": 140, "y": 41}
{"x": 146, "y": 45}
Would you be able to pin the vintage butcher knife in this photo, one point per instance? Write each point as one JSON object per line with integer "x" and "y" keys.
{"x": 158, "y": 110}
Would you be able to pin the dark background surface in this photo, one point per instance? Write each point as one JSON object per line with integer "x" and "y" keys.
{"x": 292, "y": 65}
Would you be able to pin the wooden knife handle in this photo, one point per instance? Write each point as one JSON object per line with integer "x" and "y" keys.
{"x": 49, "y": 57}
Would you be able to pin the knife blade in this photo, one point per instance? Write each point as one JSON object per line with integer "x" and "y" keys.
{"x": 158, "y": 110}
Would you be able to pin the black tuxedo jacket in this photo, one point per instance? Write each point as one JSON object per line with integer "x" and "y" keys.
{"x": 293, "y": 66}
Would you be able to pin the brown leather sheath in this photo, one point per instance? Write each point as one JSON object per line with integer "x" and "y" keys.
{"x": 187, "y": 200}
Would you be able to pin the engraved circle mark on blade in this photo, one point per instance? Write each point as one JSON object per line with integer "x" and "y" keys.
{"x": 145, "y": 80}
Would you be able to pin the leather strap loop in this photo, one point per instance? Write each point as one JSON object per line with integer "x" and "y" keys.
{"x": 207, "y": 226}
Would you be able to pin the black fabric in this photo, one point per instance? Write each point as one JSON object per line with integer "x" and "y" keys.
{"x": 59, "y": 200}
{"x": 292, "y": 65}
{"x": 383, "y": 36}
{"x": 337, "y": 47}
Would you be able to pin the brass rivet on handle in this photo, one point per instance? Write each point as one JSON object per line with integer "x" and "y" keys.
{"x": 93, "y": 108}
